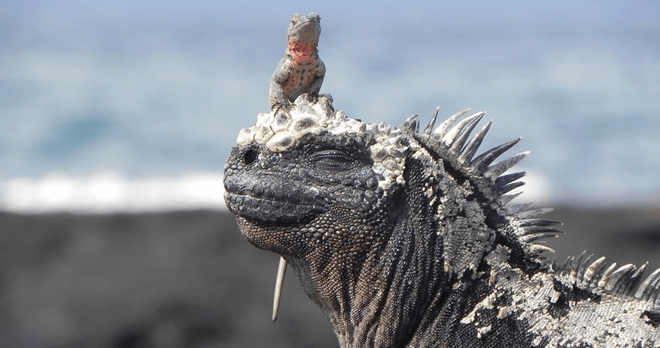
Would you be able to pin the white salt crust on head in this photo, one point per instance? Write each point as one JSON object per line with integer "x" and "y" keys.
{"x": 282, "y": 130}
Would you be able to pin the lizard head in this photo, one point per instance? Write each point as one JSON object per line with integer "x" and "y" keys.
{"x": 355, "y": 206}
{"x": 309, "y": 178}
{"x": 297, "y": 175}
{"x": 305, "y": 29}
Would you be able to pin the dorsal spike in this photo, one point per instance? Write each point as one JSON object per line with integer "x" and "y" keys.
{"x": 566, "y": 267}
{"x": 411, "y": 124}
{"x": 575, "y": 268}
{"x": 536, "y": 222}
{"x": 531, "y": 237}
{"x": 522, "y": 231}
{"x": 446, "y": 124}
{"x": 465, "y": 128}
{"x": 606, "y": 275}
{"x": 632, "y": 281}
{"x": 537, "y": 249}
{"x": 622, "y": 286}
{"x": 429, "y": 127}
{"x": 616, "y": 277}
{"x": 654, "y": 295}
{"x": 505, "y": 199}
{"x": 647, "y": 286}
{"x": 474, "y": 144}
{"x": 533, "y": 213}
{"x": 519, "y": 208}
{"x": 583, "y": 266}
{"x": 482, "y": 162}
{"x": 452, "y": 134}
{"x": 506, "y": 188}
{"x": 502, "y": 166}
{"x": 591, "y": 275}
{"x": 507, "y": 179}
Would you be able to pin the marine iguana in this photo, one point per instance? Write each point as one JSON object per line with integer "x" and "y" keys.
{"x": 406, "y": 238}
{"x": 301, "y": 70}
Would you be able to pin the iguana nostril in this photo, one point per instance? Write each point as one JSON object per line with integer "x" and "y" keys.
{"x": 250, "y": 156}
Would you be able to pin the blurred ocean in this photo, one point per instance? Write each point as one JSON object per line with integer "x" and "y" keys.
{"x": 115, "y": 106}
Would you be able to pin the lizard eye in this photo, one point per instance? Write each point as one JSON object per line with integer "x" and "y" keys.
{"x": 250, "y": 156}
{"x": 295, "y": 18}
{"x": 333, "y": 159}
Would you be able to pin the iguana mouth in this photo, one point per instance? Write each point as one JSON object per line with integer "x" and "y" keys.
{"x": 271, "y": 203}
{"x": 306, "y": 32}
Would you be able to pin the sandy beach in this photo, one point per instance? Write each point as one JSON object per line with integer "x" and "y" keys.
{"x": 189, "y": 279}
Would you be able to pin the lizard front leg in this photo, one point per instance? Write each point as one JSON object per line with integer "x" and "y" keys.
{"x": 315, "y": 87}
{"x": 278, "y": 96}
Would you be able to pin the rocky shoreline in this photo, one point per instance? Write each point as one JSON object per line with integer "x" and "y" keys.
{"x": 189, "y": 279}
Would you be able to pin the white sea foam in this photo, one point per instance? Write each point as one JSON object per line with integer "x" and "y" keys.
{"x": 584, "y": 101}
{"x": 110, "y": 192}
{"x": 536, "y": 189}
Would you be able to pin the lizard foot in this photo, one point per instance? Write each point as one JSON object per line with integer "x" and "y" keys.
{"x": 281, "y": 107}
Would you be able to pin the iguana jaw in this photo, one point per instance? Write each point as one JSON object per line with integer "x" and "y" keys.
{"x": 273, "y": 202}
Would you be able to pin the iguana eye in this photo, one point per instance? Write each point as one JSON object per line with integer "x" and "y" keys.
{"x": 250, "y": 156}
{"x": 333, "y": 159}
{"x": 294, "y": 18}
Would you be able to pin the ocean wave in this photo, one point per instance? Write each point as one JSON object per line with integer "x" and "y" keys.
{"x": 112, "y": 193}
{"x": 107, "y": 193}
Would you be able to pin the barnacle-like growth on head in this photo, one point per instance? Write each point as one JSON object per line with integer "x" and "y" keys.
{"x": 282, "y": 130}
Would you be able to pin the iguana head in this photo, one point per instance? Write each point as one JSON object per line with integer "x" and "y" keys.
{"x": 298, "y": 177}
{"x": 305, "y": 29}
{"x": 310, "y": 177}
{"x": 360, "y": 208}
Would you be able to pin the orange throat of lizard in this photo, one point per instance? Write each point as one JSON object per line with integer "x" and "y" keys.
{"x": 302, "y": 53}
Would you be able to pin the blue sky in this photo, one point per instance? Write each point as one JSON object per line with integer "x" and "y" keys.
{"x": 590, "y": 13}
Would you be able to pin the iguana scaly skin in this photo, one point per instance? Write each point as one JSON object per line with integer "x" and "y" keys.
{"x": 405, "y": 238}
{"x": 300, "y": 70}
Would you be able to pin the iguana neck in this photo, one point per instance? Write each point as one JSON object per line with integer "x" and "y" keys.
{"x": 378, "y": 296}
{"x": 302, "y": 53}
{"x": 377, "y": 302}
